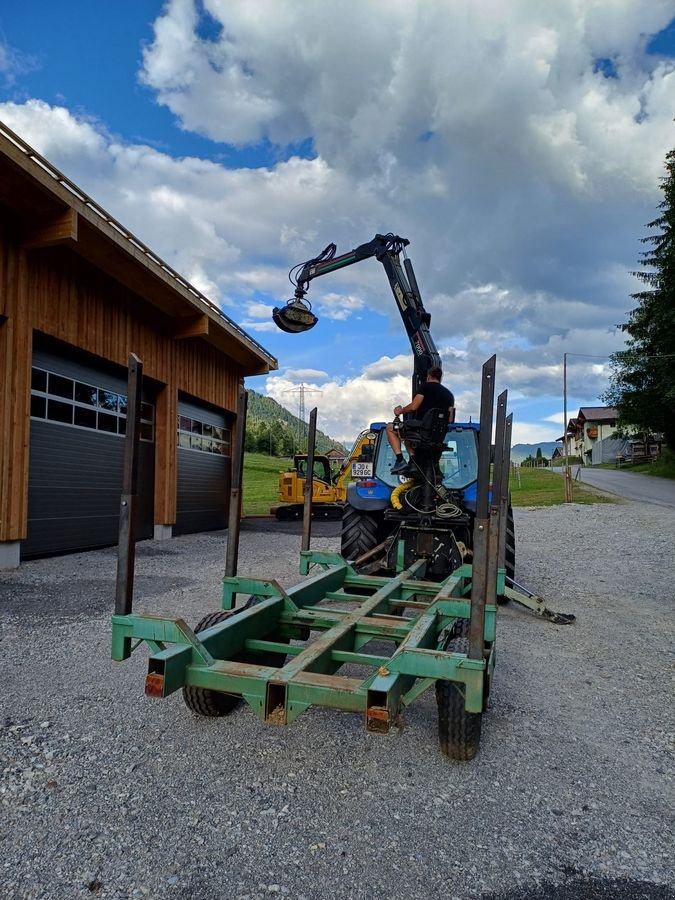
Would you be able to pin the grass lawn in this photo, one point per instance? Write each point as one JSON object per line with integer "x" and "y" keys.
{"x": 540, "y": 487}
{"x": 664, "y": 467}
{"x": 261, "y": 482}
{"x": 534, "y": 487}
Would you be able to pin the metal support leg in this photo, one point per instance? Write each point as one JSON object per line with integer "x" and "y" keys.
{"x": 309, "y": 483}
{"x": 126, "y": 547}
{"x": 234, "y": 518}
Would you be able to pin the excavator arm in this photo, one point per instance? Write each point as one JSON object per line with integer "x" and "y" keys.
{"x": 297, "y": 315}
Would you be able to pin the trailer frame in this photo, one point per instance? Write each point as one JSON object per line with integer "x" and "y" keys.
{"x": 282, "y": 651}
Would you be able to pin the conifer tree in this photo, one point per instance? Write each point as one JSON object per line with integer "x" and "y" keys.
{"x": 643, "y": 385}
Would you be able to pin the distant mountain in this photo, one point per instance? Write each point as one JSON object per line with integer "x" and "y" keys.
{"x": 519, "y": 452}
{"x": 289, "y": 432}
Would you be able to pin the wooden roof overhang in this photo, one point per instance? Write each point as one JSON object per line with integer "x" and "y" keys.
{"x": 49, "y": 210}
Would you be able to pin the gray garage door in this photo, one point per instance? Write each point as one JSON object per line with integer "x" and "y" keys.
{"x": 204, "y": 437}
{"x": 78, "y": 421}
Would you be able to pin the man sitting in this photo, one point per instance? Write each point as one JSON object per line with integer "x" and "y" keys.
{"x": 432, "y": 395}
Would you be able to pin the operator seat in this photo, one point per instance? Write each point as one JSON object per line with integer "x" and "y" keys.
{"x": 426, "y": 437}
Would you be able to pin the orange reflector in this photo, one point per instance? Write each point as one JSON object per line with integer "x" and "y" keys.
{"x": 154, "y": 685}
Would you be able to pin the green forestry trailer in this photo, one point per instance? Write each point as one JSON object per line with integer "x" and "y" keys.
{"x": 285, "y": 650}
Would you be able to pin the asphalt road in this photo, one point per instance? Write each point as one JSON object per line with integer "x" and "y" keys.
{"x": 630, "y": 485}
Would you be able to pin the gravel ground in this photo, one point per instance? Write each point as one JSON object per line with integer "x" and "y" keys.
{"x": 105, "y": 793}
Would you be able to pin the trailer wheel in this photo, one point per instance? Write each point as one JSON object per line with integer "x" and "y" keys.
{"x": 204, "y": 701}
{"x": 509, "y": 552}
{"x": 214, "y": 704}
{"x": 359, "y": 532}
{"x": 458, "y": 730}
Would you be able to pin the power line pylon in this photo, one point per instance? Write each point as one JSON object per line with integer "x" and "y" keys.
{"x": 301, "y": 390}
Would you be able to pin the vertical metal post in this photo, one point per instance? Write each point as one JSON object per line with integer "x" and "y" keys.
{"x": 234, "y": 517}
{"x": 126, "y": 546}
{"x": 309, "y": 483}
{"x": 481, "y": 521}
{"x": 499, "y": 477}
{"x": 504, "y": 497}
{"x": 566, "y": 443}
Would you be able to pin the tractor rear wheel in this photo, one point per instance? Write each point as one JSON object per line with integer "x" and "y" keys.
{"x": 458, "y": 730}
{"x": 360, "y": 532}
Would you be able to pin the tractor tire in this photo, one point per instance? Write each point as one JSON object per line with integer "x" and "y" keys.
{"x": 458, "y": 730}
{"x": 360, "y": 533}
{"x": 215, "y": 704}
{"x": 509, "y": 552}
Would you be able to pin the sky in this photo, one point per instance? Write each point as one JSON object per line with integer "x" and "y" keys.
{"x": 517, "y": 145}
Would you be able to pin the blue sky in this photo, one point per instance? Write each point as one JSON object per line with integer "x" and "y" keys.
{"x": 518, "y": 148}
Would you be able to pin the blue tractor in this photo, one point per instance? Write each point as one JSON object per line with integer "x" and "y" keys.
{"x": 389, "y": 521}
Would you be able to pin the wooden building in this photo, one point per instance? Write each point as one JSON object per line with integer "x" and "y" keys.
{"x": 78, "y": 293}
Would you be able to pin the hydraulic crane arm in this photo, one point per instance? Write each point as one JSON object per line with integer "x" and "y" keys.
{"x": 387, "y": 249}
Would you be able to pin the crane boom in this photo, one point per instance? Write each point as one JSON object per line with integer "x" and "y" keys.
{"x": 387, "y": 249}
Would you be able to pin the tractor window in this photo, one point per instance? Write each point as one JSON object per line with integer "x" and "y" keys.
{"x": 385, "y": 459}
{"x": 459, "y": 463}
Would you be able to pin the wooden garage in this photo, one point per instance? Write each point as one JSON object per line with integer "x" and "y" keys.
{"x": 78, "y": 293}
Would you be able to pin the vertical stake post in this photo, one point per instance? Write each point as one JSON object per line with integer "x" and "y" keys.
{"x": 504, "y": 497}
{"x": 566, "y": 443}
{"x": 234, "y": 516}
{"x": 497, "y": 513}
{"x": 481, "y": 524}
{"x": 126, "y": 545}
{"x": 309, "y": 483}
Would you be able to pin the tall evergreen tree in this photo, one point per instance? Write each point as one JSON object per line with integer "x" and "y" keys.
{"x": 643, "y": 386}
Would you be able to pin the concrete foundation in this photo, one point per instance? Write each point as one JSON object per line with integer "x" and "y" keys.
{"x": 10, "y": 554}
{"x": 163, "y": 532}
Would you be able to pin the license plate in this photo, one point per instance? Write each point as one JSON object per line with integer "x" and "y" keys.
{"x": 362, "y": 470}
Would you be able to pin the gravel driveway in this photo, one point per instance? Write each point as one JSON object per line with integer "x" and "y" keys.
{"x": 105, "y": 793}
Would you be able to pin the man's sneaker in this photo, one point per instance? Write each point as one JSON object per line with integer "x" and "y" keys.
{"x": 397, "y": 468}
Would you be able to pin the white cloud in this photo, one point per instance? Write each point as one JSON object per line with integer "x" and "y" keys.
{"x": 339, "y": 307}
{"x": 13, "y": 63}
{"x": 259, "y": 310}
{"x": 483, "y": 132}
{"x": 301, "y": 375}
{"x": 367, "y": 86}
{"x": 533, "y": 433}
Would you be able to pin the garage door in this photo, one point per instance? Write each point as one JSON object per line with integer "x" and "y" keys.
{"x": 204, "y": 436}
{"x": 78, "y": 422}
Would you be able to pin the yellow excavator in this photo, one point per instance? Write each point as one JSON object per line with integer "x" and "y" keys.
{"x": 329, "y": 491}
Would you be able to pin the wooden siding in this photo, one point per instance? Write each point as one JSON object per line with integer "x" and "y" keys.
{"x": 58, "y": 293}
{"x": 70, "y": 300}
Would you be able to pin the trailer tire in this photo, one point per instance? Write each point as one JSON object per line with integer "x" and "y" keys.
{"x": 215, "y": 704}
{"x": 509, "y": 552}
{"x": 204, "y": 701}
{"x": 458, "y": 730}
{"x": 360, "y": 532}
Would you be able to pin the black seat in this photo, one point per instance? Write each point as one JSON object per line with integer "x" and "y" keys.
{"x": 428, "y": 432}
